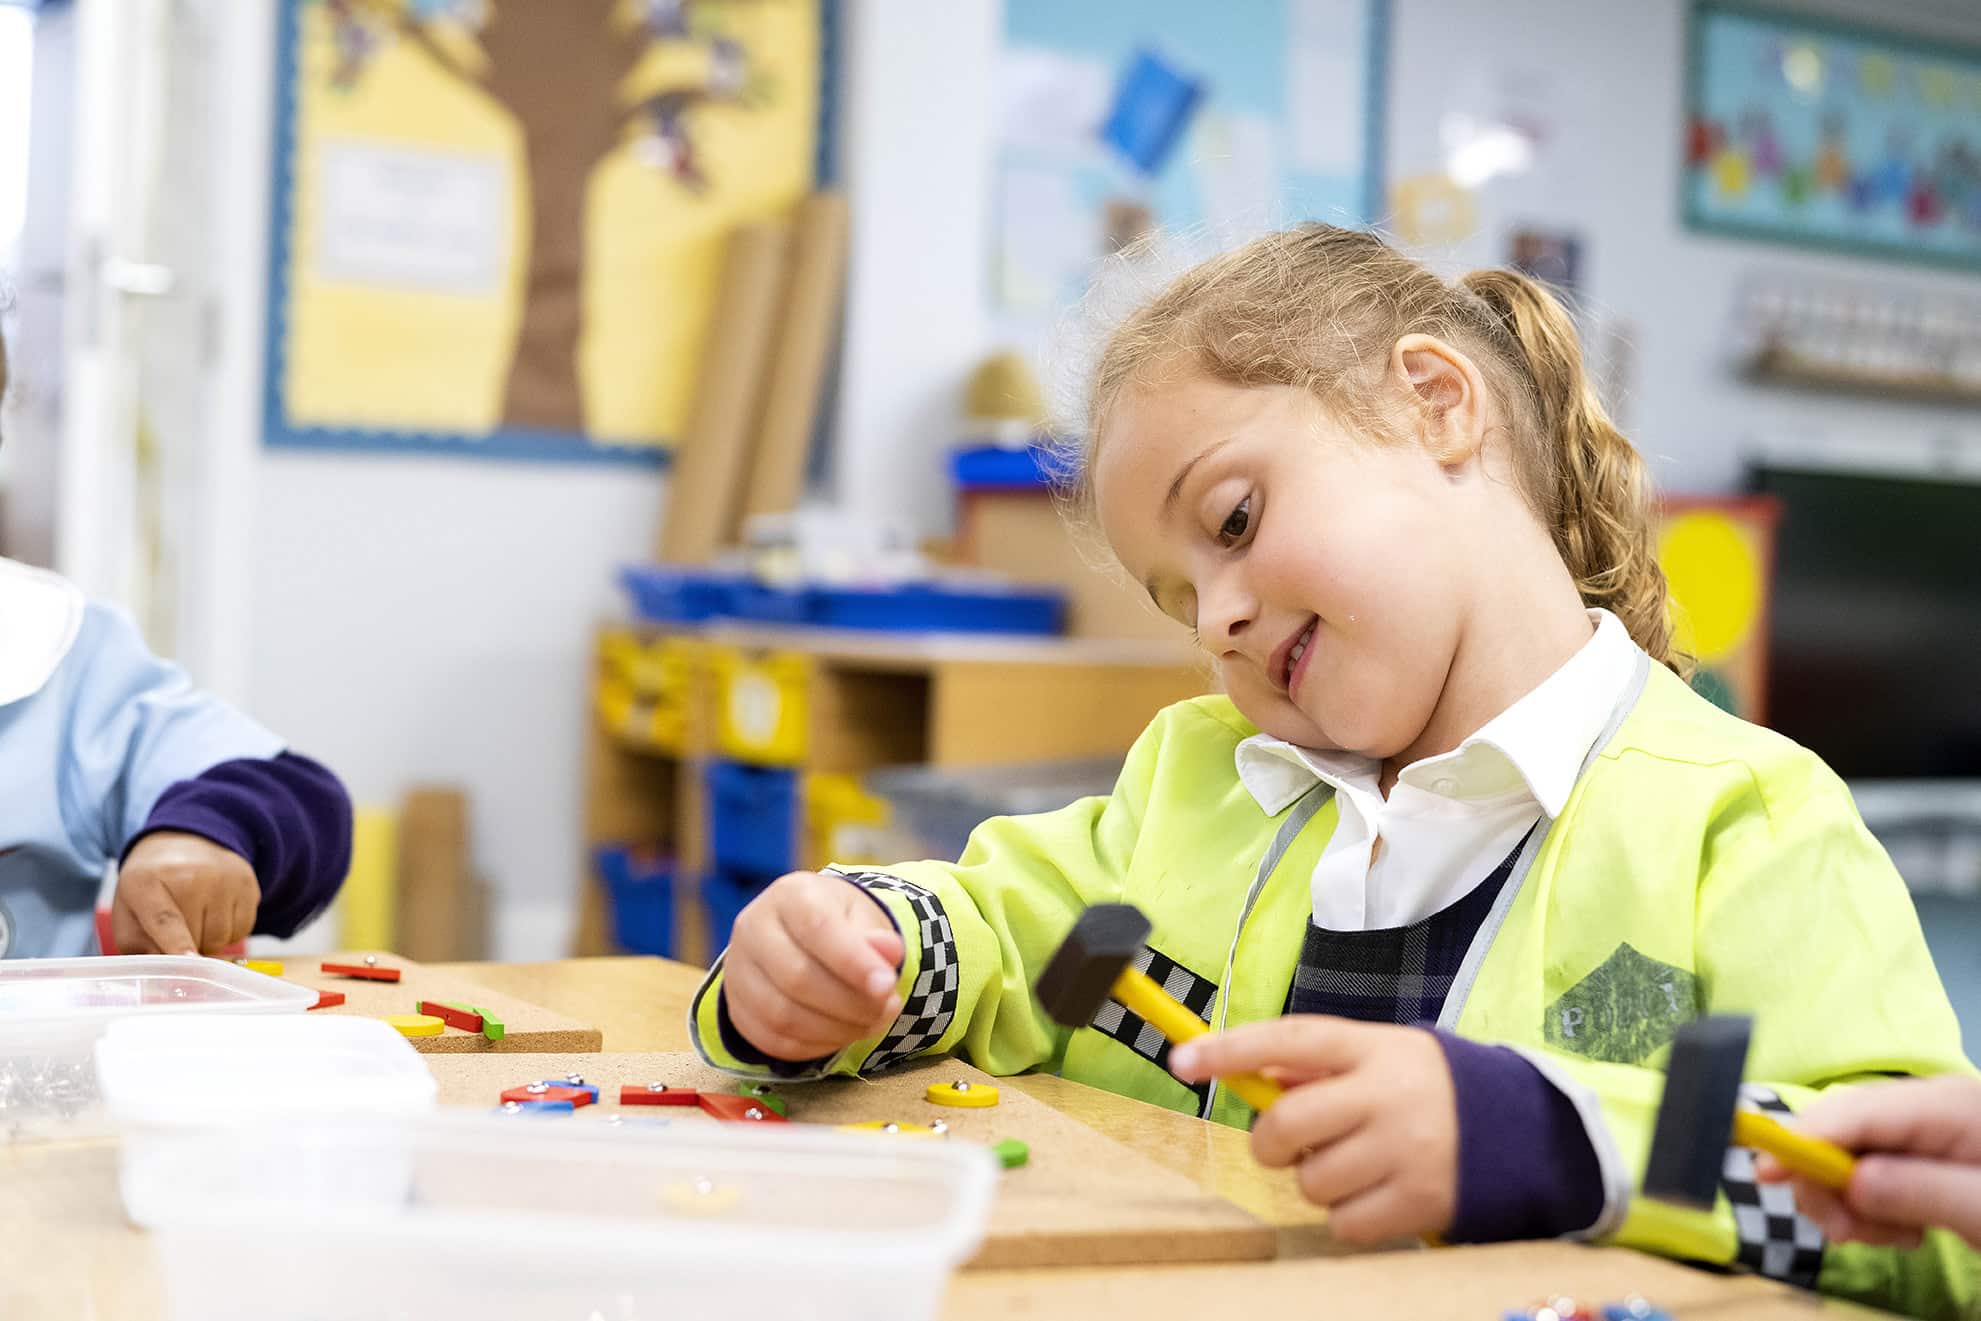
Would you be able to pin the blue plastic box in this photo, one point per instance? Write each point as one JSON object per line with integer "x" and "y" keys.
{"x": 753, "y": 819}
{"x": 994, "y": 468}
{"x": 723, "y": 899}
{"x": 668, "y": 595}
{"x": 918, "y": 608}
{"x": 639, "y": 891}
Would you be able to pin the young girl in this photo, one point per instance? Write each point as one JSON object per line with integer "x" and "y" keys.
{"x": 1459, "y": 849}
{"x": 109, "y": 757}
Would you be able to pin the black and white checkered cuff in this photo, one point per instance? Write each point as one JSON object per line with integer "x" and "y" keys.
{"x": 1776, "y": 1240}
{"x": 929, "y": 1007}
{"x": 1194, "y": 993}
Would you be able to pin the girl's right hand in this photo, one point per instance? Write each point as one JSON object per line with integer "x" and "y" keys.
{"x": 1918, "y": 1145}
{"x": 811, "y": 968}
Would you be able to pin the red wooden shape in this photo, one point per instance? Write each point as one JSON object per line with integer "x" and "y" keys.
{"x": 577, "y": 1096}
{"x": 328, "y": 999}
{"x": 645, "y": 1094}
{"x": 451, "y": 1016}
{"x": 738, "y": 1109}
{"x": 370, "y": 974}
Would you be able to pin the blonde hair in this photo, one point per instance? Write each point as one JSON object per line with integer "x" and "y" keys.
{"x": 1320, "y": 308}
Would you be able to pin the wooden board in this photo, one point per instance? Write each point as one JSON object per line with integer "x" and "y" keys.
{"x": 529, "y": 1027}
{"x": 1442, "y": 1284}
{"x": 1082, "y": 1200}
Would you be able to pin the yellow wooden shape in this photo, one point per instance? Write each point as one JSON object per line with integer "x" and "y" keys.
{"x": 266, "y": 967}
{"x": 417, "y": 1025}
{"x": 890, "y": 1128}
{"x": 962, "y": 1095}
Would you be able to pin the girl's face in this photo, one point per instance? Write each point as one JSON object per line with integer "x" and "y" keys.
{"x": 1324, "y": 570}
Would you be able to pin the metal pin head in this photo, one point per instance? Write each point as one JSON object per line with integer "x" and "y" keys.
{"x": 753, "y": 1113}
{"x": 656, "y": 1086}
{"x": 512, "y": 1107}
{"x": 959, "y": 1086}
{"x": 890, "y": 1128}
{"x": 537, "y": 1087}
{"x": 938, "y": 1128}
{"x": 705, "y": 1186}
{"x": 574, "y": 1079}
{"x": 371, "y": 960}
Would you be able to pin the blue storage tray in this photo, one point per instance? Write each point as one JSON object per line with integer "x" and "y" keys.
{"x": 995, "y": 468}
{"x": 916, "y": 608}
{"x": 668, "y": 595}
{"x": 639, "y": 891}
{"x": 762, "y": 604}
{"x": 724, "y": 897}
{"x": 753, "y": 819}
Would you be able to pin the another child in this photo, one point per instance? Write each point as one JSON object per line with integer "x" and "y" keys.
{"x": 1458, "y": 851}
{"x": 108, "y": 756}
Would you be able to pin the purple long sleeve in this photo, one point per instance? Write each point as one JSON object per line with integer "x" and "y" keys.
{"x": 1525, "y": 1165}
{"x": 287, "y": 815}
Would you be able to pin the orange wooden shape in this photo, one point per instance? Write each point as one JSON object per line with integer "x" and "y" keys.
{"x": 328, "y": 999}
{"x": 451, "y": 1016}
{"x": 577, "y": 1096}
{"x": 738, "y": 1109}
{"x": 359, "y": 970}
{"x": 657, "y": 1094}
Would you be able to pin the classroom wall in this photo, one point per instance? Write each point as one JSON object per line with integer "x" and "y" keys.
{"x": 1610, "y": 77}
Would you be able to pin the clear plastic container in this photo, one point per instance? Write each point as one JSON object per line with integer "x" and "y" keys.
{"x": 164, "y": 1078}
{"x": 53, "y": 1010}
{"x": 522, "y": 1217}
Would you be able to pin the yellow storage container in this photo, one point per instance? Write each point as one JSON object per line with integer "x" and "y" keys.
{"x": 643, "y": 690}
{"x": 762, "y": 706}
{"x": 839, "y": 815}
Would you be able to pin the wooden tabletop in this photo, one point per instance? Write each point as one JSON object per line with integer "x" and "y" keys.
{"x": 642, "y": 1004}
{"x": 58, "y": 1205}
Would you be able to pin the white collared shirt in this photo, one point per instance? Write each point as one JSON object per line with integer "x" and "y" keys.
{"x": 1450, "y": 819}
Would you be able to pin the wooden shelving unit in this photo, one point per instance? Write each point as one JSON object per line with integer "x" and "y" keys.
{"x": 870, "y": 700}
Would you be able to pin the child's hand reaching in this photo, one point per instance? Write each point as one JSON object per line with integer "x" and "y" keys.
{"x": 181, "y": 894}
{"x": 811, "y": 968}
{"x": 1919, "y": 1161}
{"x": 1369, "y": 1122}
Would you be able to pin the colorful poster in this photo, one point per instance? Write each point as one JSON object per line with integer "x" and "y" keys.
{"x": 498, "y": 223}
{"x": 1202, "y": 124}
{"x": 1804, "y": 130}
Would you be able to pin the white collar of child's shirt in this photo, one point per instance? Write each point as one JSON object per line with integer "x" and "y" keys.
{"x": 1535, "y": 747}
{"x": 40, "y": 613}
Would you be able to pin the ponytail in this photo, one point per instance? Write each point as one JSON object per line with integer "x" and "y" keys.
{"x": 1596, "y": 494}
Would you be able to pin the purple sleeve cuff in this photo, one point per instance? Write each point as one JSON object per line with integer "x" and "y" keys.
{"x": 288, "y": 816}
{"x": 1526, "y": 1168}
{"x": 739, "y": 1046}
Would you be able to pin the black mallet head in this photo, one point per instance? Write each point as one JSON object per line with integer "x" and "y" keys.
{"x": 1081, "y": 973}
{"x": 1695, "y": 1118}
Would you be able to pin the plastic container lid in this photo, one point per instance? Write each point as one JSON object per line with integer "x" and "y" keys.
{"x": 88, "y": 992}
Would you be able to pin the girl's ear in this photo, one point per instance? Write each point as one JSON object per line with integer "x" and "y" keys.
{"x": 1450, "y": 392}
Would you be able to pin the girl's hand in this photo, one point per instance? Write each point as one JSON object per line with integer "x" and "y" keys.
{"x": 1919, "y": 1164}
{"x": 1369, "y": 1121}
{"x": 182, "y": 894}
{"x": 811, "y": 968}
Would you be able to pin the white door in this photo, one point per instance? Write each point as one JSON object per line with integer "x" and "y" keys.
{"x": 162, "y": 343}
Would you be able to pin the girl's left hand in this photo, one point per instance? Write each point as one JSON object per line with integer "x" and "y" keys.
{"x": 1369, "y": 1121}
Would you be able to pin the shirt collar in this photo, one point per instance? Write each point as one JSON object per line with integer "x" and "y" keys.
{"x": 1537, "y": 745}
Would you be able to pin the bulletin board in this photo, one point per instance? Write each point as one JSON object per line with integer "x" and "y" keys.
{"x": 497, "y": 224}
{"x": 1278, "y": 112}
{"x": 1810, "y": 131}
{"x": 1718, "y": 557}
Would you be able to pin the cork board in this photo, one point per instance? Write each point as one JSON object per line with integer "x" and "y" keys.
{"x": 1083, "y": 1199}
{"x": 528, "y": 1027}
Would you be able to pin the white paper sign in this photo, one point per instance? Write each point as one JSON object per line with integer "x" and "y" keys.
{"x": 408, "y": 217}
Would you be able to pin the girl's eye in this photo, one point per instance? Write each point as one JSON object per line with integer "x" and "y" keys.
{"x": 1237, "y": 523}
